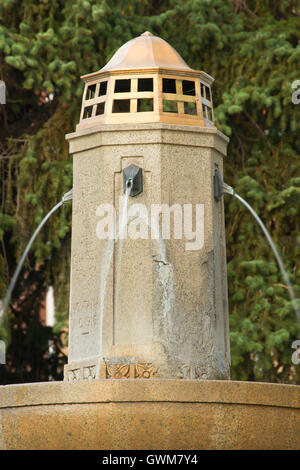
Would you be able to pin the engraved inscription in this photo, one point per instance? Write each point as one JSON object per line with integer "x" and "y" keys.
{"x": 87, "y": 323}
{"x": 85, "y": 373}
{"x": 84, "y": 316}
{"x": 113, "y": 370}
{"x": 117, "y": 371}
{"x": 89, "y": 373}
{"x": 145, "y": 370}
{"x": 137, "y": 370}
{"x": 74, "y": 375}
{"x": 191, "y": 371}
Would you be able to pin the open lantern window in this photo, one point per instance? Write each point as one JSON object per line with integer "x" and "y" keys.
{"x": 147, "y": 81}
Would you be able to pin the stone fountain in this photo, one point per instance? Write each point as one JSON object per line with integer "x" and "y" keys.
{"x": 149, "y": 354}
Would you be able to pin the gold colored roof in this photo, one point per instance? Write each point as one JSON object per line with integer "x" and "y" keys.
{"x": 146, "y": 81}
{"x": 146, "y": 52}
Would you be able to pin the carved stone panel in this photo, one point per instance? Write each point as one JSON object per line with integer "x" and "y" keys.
{"x": 136, "y": 370}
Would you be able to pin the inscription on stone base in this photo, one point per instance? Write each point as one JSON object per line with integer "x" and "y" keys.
{"x": 82, "y": 370}
{"x": 191, "y": 372}
{"x": 109, "y": 369}
{"x": 138, "y": 370}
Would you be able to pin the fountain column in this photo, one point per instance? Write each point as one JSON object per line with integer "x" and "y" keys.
{"x": 172, "y": 318}
{"x": 157, "y": 308}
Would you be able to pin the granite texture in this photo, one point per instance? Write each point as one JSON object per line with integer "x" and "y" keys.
{"x": 150, "y": 414}
{"x": 163, "y": 311}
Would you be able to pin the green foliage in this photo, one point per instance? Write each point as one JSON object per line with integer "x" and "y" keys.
{"x": 252, "y": 50}
{"x": 35, "y": 353}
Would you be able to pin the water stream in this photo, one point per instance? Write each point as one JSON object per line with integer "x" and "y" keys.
{"x": 285, "y": 276}
{"x": 165, "y": 273}
{"x": 67, "y": 197}
{"x": 122, "y": 235}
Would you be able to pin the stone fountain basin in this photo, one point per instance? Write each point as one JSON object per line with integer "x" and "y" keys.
{"x": 150, "y": 414}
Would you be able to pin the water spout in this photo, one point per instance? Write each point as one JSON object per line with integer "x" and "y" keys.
{"x": 129, "y": 183}
{"x": 133, "y": 176}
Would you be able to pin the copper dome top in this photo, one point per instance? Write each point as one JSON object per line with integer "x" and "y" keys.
{"x": 145, "y": 81}
{"x": 146, "y": 52}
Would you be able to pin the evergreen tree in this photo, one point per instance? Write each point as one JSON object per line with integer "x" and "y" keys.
{"x": 252, "y": 49}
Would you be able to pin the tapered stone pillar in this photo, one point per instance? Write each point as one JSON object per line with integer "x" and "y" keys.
{"x": 169, "y": 317}
{"x": 153, "y": 305}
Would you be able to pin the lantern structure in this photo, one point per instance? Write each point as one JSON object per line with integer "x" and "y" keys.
{"x": 146, "y": 81}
